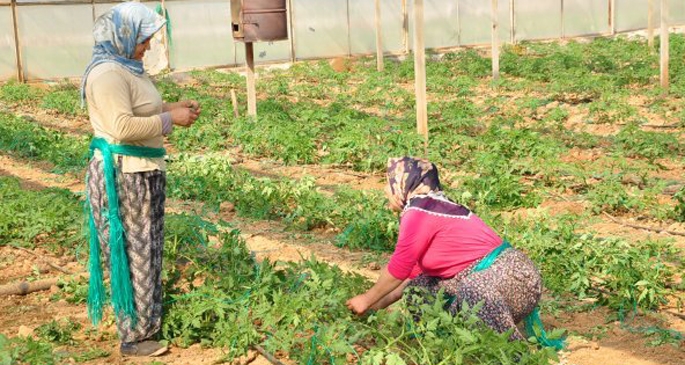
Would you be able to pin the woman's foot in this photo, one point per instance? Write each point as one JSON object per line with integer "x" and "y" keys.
{"x": 143, "y": 348}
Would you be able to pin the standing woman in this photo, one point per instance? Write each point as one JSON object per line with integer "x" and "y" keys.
{"x": 126, "y": 174}
{"x": 443, "y": 245}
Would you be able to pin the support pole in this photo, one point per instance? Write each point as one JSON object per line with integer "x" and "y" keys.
{"x": 495, "y": 41}
{"x": 379, "y": 40}
{"x": 251, "y": 89}
{"x": 420, "y": 74}
{"x": 165, "y": 38}
{"x": 17, "y": 44}
{"x": 650, "y": 24}
{"x": 405, "y": 27}
{"x": 563, "y": 26}
{"x": 612, "y": 16}
{"x": 512, "y": 22}
{"x": 664, "y": 45}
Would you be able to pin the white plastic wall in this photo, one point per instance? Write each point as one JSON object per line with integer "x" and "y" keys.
{"x": 56, "y": 39}
{"x": 363, "y": 26}
{"x": 537, "y": 19}
{"x": 8, "y": 60}
{"x": 582, "y": 17}
{"x": 320, "y": 28}
{"x": 476, "y": 25}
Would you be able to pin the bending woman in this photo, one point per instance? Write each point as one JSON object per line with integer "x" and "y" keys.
{"x": 442, "y": 244}
{"x": 126, "y": 174}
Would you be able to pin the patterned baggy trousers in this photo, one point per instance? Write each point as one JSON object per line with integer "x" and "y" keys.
{"x": 141, "y": 205}
{"x": 509, "y": 290}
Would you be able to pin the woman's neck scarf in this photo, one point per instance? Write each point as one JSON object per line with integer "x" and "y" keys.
{"x": 416, "y": 185}
{"x": 117, "y": 32}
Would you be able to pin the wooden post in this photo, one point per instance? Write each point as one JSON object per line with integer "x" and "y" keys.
{"x": 405, "y": 27}
{"x": 291, "y": 38}
{"x": 379, "y": 40}
{"x": 650, "y": 24}
{"x": 234, "y": 101}
{"x": 495, "y": 41}
{"x": 17, "y": 44}
{"x": 165, "y": 38}
{"x": 251, "y": 89}
{"x": 512, "y": 22}
{"x": 563, "y": 26}
{"x": 664, "y": 44}
{"x": 420, "y": 74}
{"x": 612, "y": 16}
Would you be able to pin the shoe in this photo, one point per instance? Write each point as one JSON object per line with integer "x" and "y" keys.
{"x": 143, "y": 348}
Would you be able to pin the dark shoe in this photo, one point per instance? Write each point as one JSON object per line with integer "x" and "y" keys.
{"x": 144, "y": 348}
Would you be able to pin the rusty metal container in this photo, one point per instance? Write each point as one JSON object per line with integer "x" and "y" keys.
{"x": 259, "y": 20}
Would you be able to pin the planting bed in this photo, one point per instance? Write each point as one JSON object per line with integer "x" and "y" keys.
{"x": 574, "y": 155}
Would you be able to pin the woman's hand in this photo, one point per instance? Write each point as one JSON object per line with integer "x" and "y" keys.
{"x": 190, "y": 104}
{"x": 359, "y": 304}
{"x": 184, "y": 117}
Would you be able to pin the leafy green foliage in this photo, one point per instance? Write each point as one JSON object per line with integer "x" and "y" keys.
{"x": 25, "y": 351}
{"x": 297, "y": 309}
{"x": 618, "y": 273}
{"x": 51, "y": 217}
{"x": 64, "y": 99}
{"x": 679, "y": 210}
{"x": 60, "y": 333}
{"x": 23, "y": 94}
{"x": 634, "y": 142}
{"x": 28, "y": 140}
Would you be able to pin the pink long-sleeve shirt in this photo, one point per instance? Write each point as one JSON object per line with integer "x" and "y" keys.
{"x": 439, "y": 245}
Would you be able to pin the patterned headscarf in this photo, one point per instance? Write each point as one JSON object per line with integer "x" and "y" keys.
{"x": 117, "y": 32}
{"x": 410, "y": 176}
{"x": 415, "y": 184}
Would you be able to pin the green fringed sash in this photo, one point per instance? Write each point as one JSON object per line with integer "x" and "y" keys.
{"x": 532, "y": 321}
{"x": 122, "y": 291}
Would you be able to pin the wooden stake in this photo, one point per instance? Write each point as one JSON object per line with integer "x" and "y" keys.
{"x": 563, "y": 26}
{"x": 420, "y": 74}
{"x": 271, "y": 358}
{"x": 650, "y": 24}
{"x": 512, "y": 22}
{"x": 165, "y": 39}
{"x": 26, "y": 287}
{"x": 379, "y": 40}
{"x": 612, "y": 16}
{"x": 17, "y": 44}
{"x": 405, "y": 27}
{"x": 664, "y": 45}
{"x": 495, "y": 41}
{"x": 291, "y": 38}
{"x": 234, "y": 101}
{"x": 251, "y": 89}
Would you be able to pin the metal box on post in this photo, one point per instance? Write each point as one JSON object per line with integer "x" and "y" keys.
{"x": 259, "y": 20}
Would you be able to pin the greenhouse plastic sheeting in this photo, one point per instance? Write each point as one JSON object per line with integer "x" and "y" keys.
{"x": 537, "y": 19}
{"x": 476, "y": 23}
{"x": 201, "y": 33}
{"x": 100, "y": 8}
{"x": 677, "y": 12}
{"x": 363, "y": 26}
{"x": 320, "y": 28}
{"x": 264, "y": 52}
{"x": 56, "y": 41}
{"x": 585, "y": 17}
{"x": 8, "y": 60}
{"x": 632, "y": 14}
{"x": 441, "y": 21}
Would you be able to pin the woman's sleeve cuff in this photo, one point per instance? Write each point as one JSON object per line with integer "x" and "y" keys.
{"x": 167, "y": 124}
